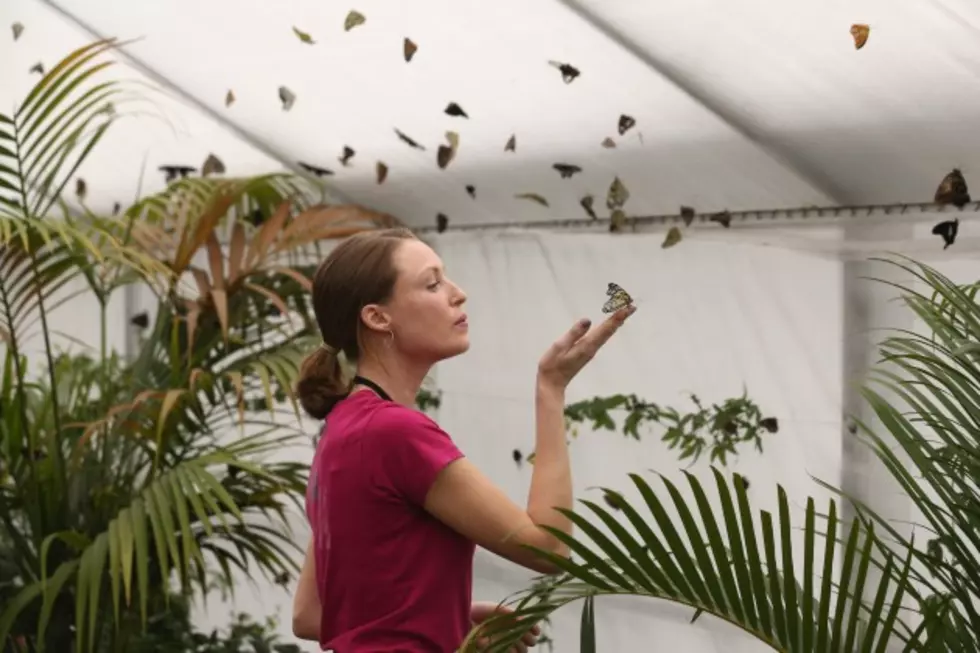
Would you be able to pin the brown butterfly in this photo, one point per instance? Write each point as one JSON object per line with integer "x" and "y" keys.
{"x": 81, "y": 188}
{"x": 315, "y": 170}
{"x": 453, "y": 109}
{"x": 303, "y": 36}
{"x": 17, "y": 29}
{"x": 518, "y": 457}
{"x": 953, "y": 190}
{"x": 534, "y": 197}
{"x": 141, "y": 320}
{"x": 617, "y": 220}
{"x": 287, "y": 98}
{"x": 566, "y": 170}
{"x": 409, "y": 48}
{"x": 860, "y": 33}
{"x": 724, "y": 218}
{"x": 37, "y": 68}
{"x": 353, "y": 19}
{"x": 587, "y": 205}
{"x": 568, "y": 71}
{"x": 511, "y": 145}
{"x": 770, "y": 424}
{"x": 382, "y": 171}
{"x": 625, "y": 123}
{"x": 687, "y": 215}
{"x": 608, "y": 143}
{"x": 447, "y": 153}
{"x": 617, "y": 195}
{"x": 347, "y": 155}
{"x": 947, "y": 229}
{"x": 212, "y": 166}
{"x": 229, "y": 98}
{"x": 471, "y": 190}
{"x": 411, "y": 142}
{"x": 442, "y": 222}
{"x": 672, "y": 238}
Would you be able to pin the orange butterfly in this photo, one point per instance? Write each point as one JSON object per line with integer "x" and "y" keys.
{"x": 860, "y": 33}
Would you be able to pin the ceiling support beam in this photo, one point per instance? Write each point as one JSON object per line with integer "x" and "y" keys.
{"x": 165, "y": 82}
{"x": 785, "y": 156}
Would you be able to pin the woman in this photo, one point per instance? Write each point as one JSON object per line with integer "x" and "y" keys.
{"x": 395, "y": 508}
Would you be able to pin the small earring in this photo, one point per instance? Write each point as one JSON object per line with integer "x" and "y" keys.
{"x": 391, "y": 339}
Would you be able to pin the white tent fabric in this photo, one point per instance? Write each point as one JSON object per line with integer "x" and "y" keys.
{"x": 762, "y": 105}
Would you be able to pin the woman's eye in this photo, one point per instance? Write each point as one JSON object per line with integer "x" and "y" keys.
{"x": 434, "y": 285}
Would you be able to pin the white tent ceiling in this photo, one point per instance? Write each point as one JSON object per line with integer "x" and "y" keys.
{"x": 761, "y": 104}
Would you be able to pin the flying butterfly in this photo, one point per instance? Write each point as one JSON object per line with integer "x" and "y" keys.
{"x": 442, "y": 222}
{"x": 411, "y": 142}
{"x": 608, "y": 143}
{"x": 617, "y": 195}
{"x": 456, "y": 111}
{"x": 511, "y": 145}
{"x": 409, "y": 48}
{"x": 17, "y": 29}
{"x": 382, "y": 171}
{"x": 953, "y": 190}
{"x": 724, "y": 218}
{"x": 81, "y": 188}
{"x": 770, "y": 424}
{"x": 618, "y": 298}
{"x": 37, "y": 68}
{"x": 447, "y": 153}
{"x": 625, "y": 123}
{"x": 315, "y": 170}
{"x": 212, "y": 166}
{"x": 587, "y": 203}
{"x": 672, "y": 238}
{"x": 566, "y": 170}
{"x": 303, "y": 36}
{"x": 287, "y": 97}
{"x": 947, "y": 229}
{"x": 172, "y": 172}
{"x": 347, "y": 155}
{"x": 860, "y": 33}
{"x": 534, "y": 197}
{"x": 353, "y": 19}
{"x": 568, "y": 71}
{"x": 141, "y": 320}
{"x": 471, "y": 190}
{"x": 518, "y": 457}
{"x": 687, "y": 215}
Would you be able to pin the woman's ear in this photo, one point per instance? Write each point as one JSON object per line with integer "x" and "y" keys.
{"x": 375, "y": 318}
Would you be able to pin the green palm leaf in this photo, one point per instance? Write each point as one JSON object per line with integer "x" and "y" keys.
{"x": 717, "y": 565}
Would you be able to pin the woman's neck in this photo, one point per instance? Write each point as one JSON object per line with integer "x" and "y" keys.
{"x": 402, "y": 382}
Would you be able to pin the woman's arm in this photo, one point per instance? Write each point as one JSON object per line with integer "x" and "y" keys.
{"x": 306, "y": 603}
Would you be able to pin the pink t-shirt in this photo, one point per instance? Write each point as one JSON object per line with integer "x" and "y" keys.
{"x": 391, "y": 577}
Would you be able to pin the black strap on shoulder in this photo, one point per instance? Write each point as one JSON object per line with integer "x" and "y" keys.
{"x": 360, "y": 380}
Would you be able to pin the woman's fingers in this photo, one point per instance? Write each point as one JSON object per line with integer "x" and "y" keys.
{"x": 600, "y": 335}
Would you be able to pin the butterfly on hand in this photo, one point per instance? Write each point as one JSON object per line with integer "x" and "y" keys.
{"x": 618, "y": 298}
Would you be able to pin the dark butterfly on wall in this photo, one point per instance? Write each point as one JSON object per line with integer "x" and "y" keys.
{"x": 81, "y": 188}
{"x": 608, "y": 143}
{"x": 618, "y": 298}
{"x": 456, "y": 111}
{"x": 518, "y": 457}
{"x": 141, "y": 320}
{"x": 511, "y": 145}
{"x": 37, "y": 68}
{"x": 409, "y": 49}
{"x": 566, "y": 170}
{"x": 212, "y": 166}
{"x": 17, "y": 29}
{"x": 471, "y": 190}
{"x": 947, "y": 229}
{"x": 534, "y": 197}
{"x": 229, "y": 98}
{"x": 617, "y": 195}
{"x": 381, "y": 171}
{"x": 411, "y": 142}
{"x": 315, "y": 170}
{"x": 447, "y": 153}
{"x": 724, "y": 218}
{"x": 687, "y": 215}
{"x": 287, "y": 98}
{"x": 353, "y": 19}
{"x": 860, "y": 34}
{"x": 953, "y": 190}
{"x": 567, "y": 70}
{"x": 347, "y": 155}
{"x": 442, "y": 222}
{"x": 617, "y": 220}
{"x": 672, "y": 238}
{"x": 172, "y": 172}
{"x": 770, "y": 424}
{"x": 625, "y": 123}
{"x": 587, "y": 205}
{"x": 303, "y": 36}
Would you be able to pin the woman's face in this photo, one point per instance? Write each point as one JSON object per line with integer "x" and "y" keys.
{"x": 426, "y": 308}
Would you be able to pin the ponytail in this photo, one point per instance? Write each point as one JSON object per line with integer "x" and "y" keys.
{"x": 321, "y": 383}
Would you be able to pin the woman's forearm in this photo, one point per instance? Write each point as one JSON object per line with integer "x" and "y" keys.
{"x": 551, "y": 478}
